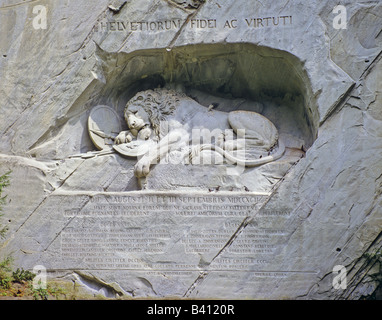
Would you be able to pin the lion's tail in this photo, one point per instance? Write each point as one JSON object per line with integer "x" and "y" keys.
{"x": 244, "y": 162}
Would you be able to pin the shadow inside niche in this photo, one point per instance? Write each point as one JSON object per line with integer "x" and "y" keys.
{"x": 233, "y": 76}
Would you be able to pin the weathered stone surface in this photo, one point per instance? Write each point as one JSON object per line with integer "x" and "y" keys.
{"x": 274, "y": 231}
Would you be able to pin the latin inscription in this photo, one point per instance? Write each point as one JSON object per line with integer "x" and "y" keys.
{"x": 114, "y": 231}
{"x": 186, "y": 206}
{"x": 195, "y": 24}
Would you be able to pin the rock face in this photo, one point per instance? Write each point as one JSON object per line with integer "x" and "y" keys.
{"x": 285, "y": 229}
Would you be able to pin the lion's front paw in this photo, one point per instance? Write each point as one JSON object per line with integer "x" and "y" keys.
{"x": 120, "y": 138}
{"x": 142, "y": 167}
{"x": 123, "y": 137}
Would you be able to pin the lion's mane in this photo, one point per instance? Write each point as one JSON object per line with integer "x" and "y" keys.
{"x": 159, "y": 104}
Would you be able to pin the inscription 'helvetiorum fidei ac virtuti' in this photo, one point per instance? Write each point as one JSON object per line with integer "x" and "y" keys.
{"x": 194, "y": 24}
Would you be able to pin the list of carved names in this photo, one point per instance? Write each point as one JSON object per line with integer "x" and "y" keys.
{"x": 118, "y": 231}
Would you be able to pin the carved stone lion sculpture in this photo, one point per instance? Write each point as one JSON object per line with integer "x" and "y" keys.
{"x": 177, "y": 123}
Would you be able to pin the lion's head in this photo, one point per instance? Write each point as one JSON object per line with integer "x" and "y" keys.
{"x": 154, "y": 105}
